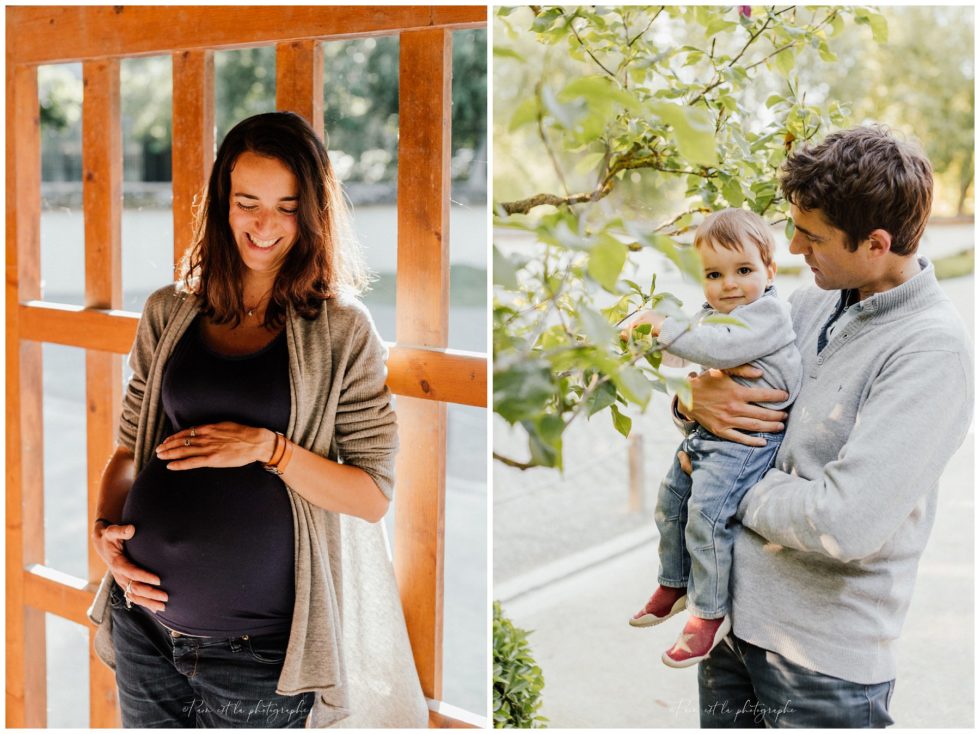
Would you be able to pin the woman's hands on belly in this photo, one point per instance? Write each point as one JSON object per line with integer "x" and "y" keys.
{"x": 140, "y": 586}
{"x": 220, "y": 445}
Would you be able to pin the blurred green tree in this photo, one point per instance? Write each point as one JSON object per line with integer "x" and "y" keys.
{"x": 360, "y": 97}
{"x": 619, "y": 118}
{"x": 919, "y": 82}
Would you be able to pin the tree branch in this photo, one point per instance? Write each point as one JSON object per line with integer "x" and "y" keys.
{"x": 571, "y": 24}
{"x": 547, "y": 145}
{"x": 628, "y": 162}
{"x": 641, "y": 33}
{"x": 523, "y": 206}
{"x": 523, "y": 466}
{"x": 718, "y": 80}
{"x": 695, "y": 210}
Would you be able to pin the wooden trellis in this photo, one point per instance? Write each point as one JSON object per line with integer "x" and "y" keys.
{"x": 421, "y": 369}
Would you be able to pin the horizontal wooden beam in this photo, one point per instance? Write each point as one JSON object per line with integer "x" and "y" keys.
{"x": 50, "y": 35}
{"x": 75, "y": 326}
{"x": 435, "y": 374}
{"x": 432, "y": 374}
{"x": 446, "y": 716}
{"x": 59, "y": 593}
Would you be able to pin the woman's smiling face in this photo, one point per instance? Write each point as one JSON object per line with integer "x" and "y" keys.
{"x": 263, "y": 210}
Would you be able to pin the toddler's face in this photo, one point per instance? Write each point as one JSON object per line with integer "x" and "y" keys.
{"x": 733, "y": 277}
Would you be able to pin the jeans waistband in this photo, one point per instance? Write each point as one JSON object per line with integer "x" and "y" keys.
{"x": 705, "y": 433}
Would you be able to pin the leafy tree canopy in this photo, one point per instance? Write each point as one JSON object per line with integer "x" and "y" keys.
{"x": 622, "y": 126}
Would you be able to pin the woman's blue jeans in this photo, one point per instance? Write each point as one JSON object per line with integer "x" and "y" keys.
{"x": 696, "y": 515}
{"x": 169, "y": 680}
{"x": 743, "y": 686}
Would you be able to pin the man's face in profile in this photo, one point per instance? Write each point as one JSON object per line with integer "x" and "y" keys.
{"x": 824, "y": 248}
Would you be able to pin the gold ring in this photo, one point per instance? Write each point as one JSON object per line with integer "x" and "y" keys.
{"x": 187, "y": 442}
{"x": 193, "y": 433}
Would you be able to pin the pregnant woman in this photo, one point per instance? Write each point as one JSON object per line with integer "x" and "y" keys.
{"x": 256, "y": 452}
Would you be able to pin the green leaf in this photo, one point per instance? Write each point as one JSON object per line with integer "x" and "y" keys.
{"x": 521, "y": 390}
{"x": 790, "y": 229}
{"x": 837, "y": 24}
{"x": 504, "y": 271}
{"x": 606, "y": 262}
{"x": 564, "y": 115}
{"x": 825, "y": 53}
{"x": 633, "y": 384}
{"x": 596, "y": 328}
{"x": 694, "y": 131}
{"x": 598, "y": 89}
{"x": 681, "y": 387}
{"x": 503, "y": 52}
{"x": 544, "y": 441}
{"x": 774, "y": 99}
{"x": 544, "y": 20}
{"x": 526, "y": 112}
{"x": 622, "y": 423}
{"x": 602, "y": 397}
{"x": 684, "y": 256}
{"x": 588, "y": 162}
{"x": 879, "y": 26}
{"x": 784, "y": 61}
{"x": 717, "y": 25}
{"x": 732, "y": 191}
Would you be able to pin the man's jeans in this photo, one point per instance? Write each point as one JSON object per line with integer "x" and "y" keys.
{"x": 696, "y": 515}
{"x": 168, "y": 680}
{"x": 743, "y": 686}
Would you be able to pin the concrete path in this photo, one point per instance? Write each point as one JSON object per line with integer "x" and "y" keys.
{"x": 599, "y": 672}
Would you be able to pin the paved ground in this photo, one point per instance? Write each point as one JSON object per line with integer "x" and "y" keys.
{"x": 576, "y": 584}
{"x": 599, "y": 672}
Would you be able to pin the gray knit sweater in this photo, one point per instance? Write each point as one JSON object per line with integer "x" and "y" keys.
{"x": 348, "y": 640}
{"x": 824, "y": 568}
{"x": 765, "y": 340}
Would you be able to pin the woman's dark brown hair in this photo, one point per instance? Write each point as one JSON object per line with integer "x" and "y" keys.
{"x": 864, "y": 179}
{"x": 323, "y": 260}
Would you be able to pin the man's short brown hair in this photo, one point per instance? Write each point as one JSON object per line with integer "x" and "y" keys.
{"x": 863, "y": 179}
{"x": 734, "y": 229}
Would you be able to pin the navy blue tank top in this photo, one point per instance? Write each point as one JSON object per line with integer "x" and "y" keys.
{"x": 221, "y": 540}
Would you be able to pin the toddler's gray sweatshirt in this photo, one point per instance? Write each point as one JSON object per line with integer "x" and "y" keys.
{"x": 767, "y": 341}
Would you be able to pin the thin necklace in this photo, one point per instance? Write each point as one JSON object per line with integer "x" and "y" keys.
{"x": 251, "y": 311}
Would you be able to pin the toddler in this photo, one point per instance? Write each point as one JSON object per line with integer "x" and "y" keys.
{"x": 695, "y": 513}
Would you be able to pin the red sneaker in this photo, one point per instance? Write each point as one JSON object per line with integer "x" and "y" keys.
{"x": 696, "y": 641}
{"x": 664, "y": 604}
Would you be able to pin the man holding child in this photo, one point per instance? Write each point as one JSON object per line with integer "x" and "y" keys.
{"x": 825, "y": 562}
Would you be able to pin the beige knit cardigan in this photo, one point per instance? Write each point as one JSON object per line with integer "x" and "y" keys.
{"x": 348, "y": 640}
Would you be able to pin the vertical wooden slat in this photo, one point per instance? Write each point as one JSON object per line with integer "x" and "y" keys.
{"x": 422, "y": 318}
{"x": 102, "y": 199}
{"x": 299, "y": 80}
{"x": 193, "y": 139}
{"x": 102, "y": 183}
{"x": 25, "y": 686}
